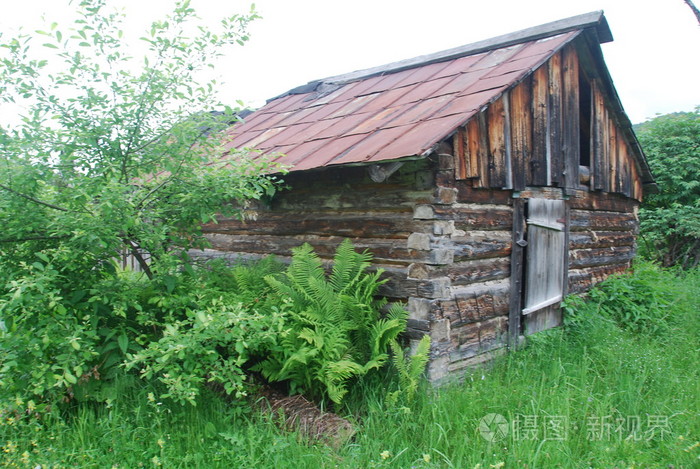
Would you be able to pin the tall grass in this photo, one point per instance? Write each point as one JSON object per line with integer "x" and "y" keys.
{"x": 604, "y": 391}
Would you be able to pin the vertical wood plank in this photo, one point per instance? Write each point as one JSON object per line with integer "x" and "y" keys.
{"x": 636, "y": 184}
{"x": 621, "y": 163}
{"x": 537, "y": 175}
{"x": 516, "y": 273}
{"x": 605, "y": 164}
{"x": 483, "y": 154}
{"x": 570, "y": 117}
{"x": 497, "y": 144}
{"x": 612, "y": 187}
{"x": 554, "y": 119}
{"x": 521, "y": 132}
{"x": 599, "y": 124}
{"x": 459, "y": 152}
{"x": 472, "y": 144}
{"x": 508, "y": 131}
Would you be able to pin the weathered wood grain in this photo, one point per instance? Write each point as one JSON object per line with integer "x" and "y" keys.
{"x": 599, "y": 147}
{"x": 554, "y": 117}
{"x": 582, "y": 220}
{"x": 483, "y": 155}
{"x": 478, "y": 245}
{"x": 476, "y": 216}
{"x": 466, "y": 193}
{"x": 546, "y": 254}
{"x": 581, "y": 280}
{"x": 570, "y": 117}
{"x": 314, "y": 223}
{"x": 474, "y": 271}
{"x": 600, "y": 239}
{"x": 586, "y": 200}
{"x": 381, "y": 195}
{"x": 591, "y": 257}
{"x": 612, "y": 157}
{"x": 384, "y": 250}
{"x": 474, "y": 303}
{"x": 474, "y": 151}
{"x": 496, "y": 118}
{"x": 460, "y": 154}
{"x": 538, "y": 167}
{"x": 521, "y": 133}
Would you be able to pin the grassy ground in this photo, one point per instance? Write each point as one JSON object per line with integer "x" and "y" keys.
{"x": 591, "y": 395}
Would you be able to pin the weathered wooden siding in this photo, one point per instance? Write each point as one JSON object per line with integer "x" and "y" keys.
{"x": 531, "y": 136}
{"x": 602, "y": 238}
{"x": 323, "y": 207}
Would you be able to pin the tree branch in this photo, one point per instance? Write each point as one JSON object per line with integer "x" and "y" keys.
{"x": 32, "y": 199}
{"x": 134, "y": 249}
{"x": 694, "y": 8}
{"x": 32, "y": 238}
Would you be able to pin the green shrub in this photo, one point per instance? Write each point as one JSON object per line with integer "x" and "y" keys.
{"x": 64, "y": 337}
{"x": 334, "y": 328}
{"x": 212, "y": 345}
{"x": 639, "y": 301}
{"x": 670, "y": 219}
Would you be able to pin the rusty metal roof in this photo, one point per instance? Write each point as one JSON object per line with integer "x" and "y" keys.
{"x": 402, "y": 109}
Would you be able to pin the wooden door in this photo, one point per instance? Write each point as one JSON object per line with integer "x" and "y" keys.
{"x": 545, "y": 267}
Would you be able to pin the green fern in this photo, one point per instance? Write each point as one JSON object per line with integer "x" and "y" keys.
{"x": 409, "y": 370}
{"x": 335, "y": 332}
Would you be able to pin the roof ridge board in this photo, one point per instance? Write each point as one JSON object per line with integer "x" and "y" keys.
{"x": 594, "y": 19}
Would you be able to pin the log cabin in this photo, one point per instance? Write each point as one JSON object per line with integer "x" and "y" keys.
{"x": 488, "y": 181}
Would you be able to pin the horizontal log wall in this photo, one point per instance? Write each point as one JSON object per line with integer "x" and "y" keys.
{"x": 324, "y": 207}
{"x": 602, "y": 238}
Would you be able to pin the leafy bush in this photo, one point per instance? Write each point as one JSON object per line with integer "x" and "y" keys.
{"x": 212, "y": 345}
{"x": 196, "y": 326}
{"x": 113, "y": 153}
{"x": 335, "y": 330}
{"x": 637, "y": 301}
{"x": 670, "y": 220}
{"x": 59, "y": 335}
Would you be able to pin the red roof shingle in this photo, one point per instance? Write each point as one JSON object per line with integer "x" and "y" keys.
{"x": 390, "y": 115}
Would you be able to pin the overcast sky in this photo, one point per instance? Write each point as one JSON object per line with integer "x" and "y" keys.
{"x": 654, "y": 59}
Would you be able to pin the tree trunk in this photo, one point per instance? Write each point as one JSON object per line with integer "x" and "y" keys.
{"x": 296, "y": 413}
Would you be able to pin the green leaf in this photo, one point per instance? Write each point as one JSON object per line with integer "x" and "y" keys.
{"x": 42, "y": 256}
{"x": 170, "y": 283}
{"x": 123, "y": 342}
